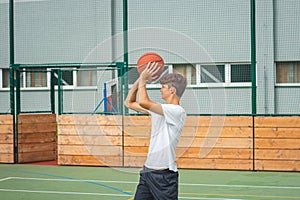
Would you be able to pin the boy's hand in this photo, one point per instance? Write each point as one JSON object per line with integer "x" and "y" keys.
{"x": 149, "y": 73}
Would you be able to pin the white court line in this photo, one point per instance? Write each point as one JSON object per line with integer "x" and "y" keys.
{"x": 97, "y": 194}
{"x": 185, "y": 184}
{"x": 4, "y": 179}
{"x": 72, "y": 180}
{"x": 243, "y": 186}
{"x": 58, "y": 192}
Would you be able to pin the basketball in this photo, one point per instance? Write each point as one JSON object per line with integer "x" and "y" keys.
{"x": 150, "y": 57}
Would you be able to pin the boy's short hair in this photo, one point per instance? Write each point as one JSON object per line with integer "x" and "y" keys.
{"x": 175, "y": 80}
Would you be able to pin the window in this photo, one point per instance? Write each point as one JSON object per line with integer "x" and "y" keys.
{"x": 87, "y": 78}
{"x": 206, "y": 74}
{"x": 240, "y": 73}
{"x": 288, "y": 72}
{"x": 5, "y": 78}
{"x": 228, "y": 74}
{"x": 187, "y": 70}
{"x": 66, "y": 77}
{"x": 212, "y": 73}
{"x": 36, "y": 77}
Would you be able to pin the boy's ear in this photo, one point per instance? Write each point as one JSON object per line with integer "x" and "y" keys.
{"x": 173, "y": 90}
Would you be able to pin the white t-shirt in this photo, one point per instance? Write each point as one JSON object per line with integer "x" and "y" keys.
{"x": 165, "y": 134}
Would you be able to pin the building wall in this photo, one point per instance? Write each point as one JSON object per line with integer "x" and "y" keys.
{"x": 194, "y": 32}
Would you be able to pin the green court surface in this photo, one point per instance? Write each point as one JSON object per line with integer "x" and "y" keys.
{"x": 32, "y": 182}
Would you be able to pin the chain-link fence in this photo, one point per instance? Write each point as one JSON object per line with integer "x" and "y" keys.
{"x": 239, "y": 57}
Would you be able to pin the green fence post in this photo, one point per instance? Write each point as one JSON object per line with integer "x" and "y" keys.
{"x": 52, "y": 92}
{"x": 120, "y": 67}
{"x": 59, "y": 91}
{"x": 253, "y": 57}
{"x": 12, "y": 89}
{"x": 18, "y": 91}
{"x": 253, "y": 75}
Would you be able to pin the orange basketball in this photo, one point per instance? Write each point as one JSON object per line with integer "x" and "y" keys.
{"x": 150, "y": 57}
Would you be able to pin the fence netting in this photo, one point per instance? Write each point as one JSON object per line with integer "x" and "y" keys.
{"x": 209, "y": 42}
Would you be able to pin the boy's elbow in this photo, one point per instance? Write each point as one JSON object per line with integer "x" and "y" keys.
{"x": 126, "y": 104}
{"x": 144, "y": 104}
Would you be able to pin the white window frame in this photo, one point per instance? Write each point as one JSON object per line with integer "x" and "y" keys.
{"x": 284, "y": 84}
{"x": 25, "y": 87}
{"x": 64, "y": 86}
{"x": 227, "y": 83}
{"x": 1, "y": 80}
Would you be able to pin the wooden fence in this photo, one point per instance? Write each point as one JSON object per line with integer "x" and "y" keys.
{"x": 210, "y": 142}
{"x": 90, "y": 140}
{"x": 207, "y": 142}
{"x": 36, "y": 137}
{"x": 277, "y": 143}
{"x": 6, "y": 139}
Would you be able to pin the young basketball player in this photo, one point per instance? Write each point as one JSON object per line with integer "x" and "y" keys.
{"x": 159, "y": 176}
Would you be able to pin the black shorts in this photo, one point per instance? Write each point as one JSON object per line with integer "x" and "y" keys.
{"x": 157, "y": 184}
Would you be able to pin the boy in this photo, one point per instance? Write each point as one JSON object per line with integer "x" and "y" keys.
{"x": 159, "y": 176}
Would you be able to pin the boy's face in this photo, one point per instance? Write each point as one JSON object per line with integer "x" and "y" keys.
{"x": 165, "y": 91}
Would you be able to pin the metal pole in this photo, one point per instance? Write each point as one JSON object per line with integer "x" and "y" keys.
{"x": 124, "y": 70}
{"x": 125, "y": 31}
{"x": 11, "y": 33}
{"x": 52, "y": 92}
{"x": 253, "y": 56}
{"x": 59, "y": 91}
{"x": 12, "y": 78}
{"x": 253, "y": 75}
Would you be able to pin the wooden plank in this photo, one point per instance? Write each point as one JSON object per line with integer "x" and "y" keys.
{"x": 189, "y": 163}
{"x": 136, "y": 141}
{"x": 7, "y": 148}
{"x": 277, "y": 165}
{"x": 37, "y": 147}
{"x": 137, "y": 121}
{"x": 237, "y": 132}
{"x": 228, "y": 121}
{"x": 135, "y": 151}
{"x": 36, "y": 128}
{"x": 90, "y": 140}
{"x": 36, "y": 156}
{"x": 6, "y": 119}
{"x": 111, "y": 161}
{"x": 36, "y": 118}
{"x": 277, "y": 143}
{"x": 6, "y": 129}
{"x": 216, "y": 142}
{"x": 196, "y": 153}
{"x": 6, "y": 139}
{"x": 89, "y": 150}
{"x": 292, "y": 122}
{"x": 219, "y": 121}
{"x": 277, "y": 154}
{"x": 6, "y": 158}
{"x": 195, "y": 142}
{"x": 137, "y": 131}
{"x": 195, "y": 131}
{"x": 36, "y": 137}
{"x": 108, "y": 120}
{"x": 228, "y": 164}
{"x": 277, "y": 132}
{"x": 89, "y": 130}
{"x": 220, "y": 153}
